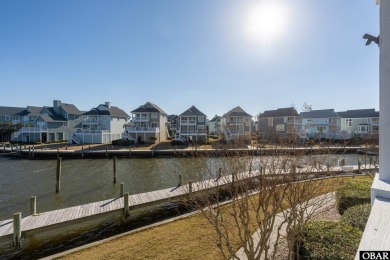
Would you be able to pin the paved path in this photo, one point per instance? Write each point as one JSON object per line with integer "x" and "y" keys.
{"x": 313, "y": 208}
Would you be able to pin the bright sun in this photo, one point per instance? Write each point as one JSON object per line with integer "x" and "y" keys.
{"x": 266, "y": 22}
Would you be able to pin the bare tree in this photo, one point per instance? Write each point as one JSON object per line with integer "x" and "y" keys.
{"x": 255, "y": 202}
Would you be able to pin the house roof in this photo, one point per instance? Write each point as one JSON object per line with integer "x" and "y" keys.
{"x": 172, "y": 117}
{"x": 53, "y": 118}
{"x": 8, "y": 111}
{"x": 30, "y": 111}
{"x": 109, "y": 111}
{"x": 149, "y": 107}
{"x": 359, "y": 113}
{"x": 287, "y": 111}
{"x": 192, "y": 111}
{"x": 70, "y": 109}
{"x": 237, "y": 111}
{"x": 215, "y": 118}
{"x": 324, "y": 113}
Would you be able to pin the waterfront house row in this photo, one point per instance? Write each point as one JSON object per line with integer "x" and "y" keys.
{"x": 318, "y": 124}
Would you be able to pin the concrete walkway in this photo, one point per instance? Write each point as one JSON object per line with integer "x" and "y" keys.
{"x": 313, "y": 208}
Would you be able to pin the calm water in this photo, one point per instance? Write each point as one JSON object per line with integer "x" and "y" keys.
{"x": 85, "y": 181}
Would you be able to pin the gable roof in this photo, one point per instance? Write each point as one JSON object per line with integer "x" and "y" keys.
{"x": 359, "y": 113}
{"x": 215, "y": 118}
{"x": 237, "y": 111}
{"x": 192, "y": 111}
{"x": 8, "y": 111}
{"x": 280, "y": 112}
{"x": 109, "y": 111}
{"x": 70, "y": 109}
{"x": 149, "y": 107}
{"x": 324, "y": 113}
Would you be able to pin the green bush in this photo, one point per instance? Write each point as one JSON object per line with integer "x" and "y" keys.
{"x": 329, "y": 240}
{"x": 352, "y": 193}
{"x": 357, "y": 216}
{"x": 121, "y": 142}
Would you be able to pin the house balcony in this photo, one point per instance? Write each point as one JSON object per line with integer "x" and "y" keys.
{"x": 91, "y": 122}
{"x": 142, "y": 130}
{"x": 192, "y": 132}
{"x": 91, "y": 132}
{"x": 140, "y": 119}
{"x": 188, "y": 122}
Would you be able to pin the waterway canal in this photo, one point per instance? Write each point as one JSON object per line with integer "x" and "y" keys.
{"x": 85, "y": 181}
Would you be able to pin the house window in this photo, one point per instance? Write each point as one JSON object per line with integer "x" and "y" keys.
{"x": 66, "y": 115}
{"x": 7, "y": 118}
{"x": 154, "y": 124}
{"x": 246, "y": 128}
{"x": 363, "y": 128}
{"x": 270, "y": 121}
{"x": 348, "y": 122}
{"x": 154, "y": 115}
{"x": 375, "y": 129}
{"x": 65, "y": 124}
{"x": 375, "y": 120}
{"x": 321, "y": 129}
{"x": 15, "y": 118}
{"x": 200, "y": 127}
{"x": 368, "y": 120}
{"x": 200, "y": 118}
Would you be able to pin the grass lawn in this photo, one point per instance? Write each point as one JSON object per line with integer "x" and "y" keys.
{"x": 188, "y": 238}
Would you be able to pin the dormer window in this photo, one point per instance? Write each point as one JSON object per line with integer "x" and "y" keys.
{"x": 201, "y": 119}
{"x": 154, "y": 115}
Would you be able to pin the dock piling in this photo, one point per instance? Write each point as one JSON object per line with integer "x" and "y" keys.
{"x": 189, "y": 187}
{"x": 179, "y": 180}
{"x": 359, "y": 166}
{"x": 122, "y": 189}
{"x": 114, "y": 168}
{"x": 33, "y": 205}
{"x": 126, "y": 204}
{"x": 17, "y": 219}
{"x": 106, "y": 151}
{"x": 58, "y": 174}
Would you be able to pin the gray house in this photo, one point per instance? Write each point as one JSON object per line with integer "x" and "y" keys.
{"x": 173, "y": 122}
{"x": 320, "y": 124}
{"x": 8, "y": 122}
{"x": 149, "y": 124}
{"x": 360, "y": 122}
{"x": 47, "y": 124}
{"x": 102, "y": 124}
{"x": 280, "y": 123}
{"x": 236, "y": 124}
{"x": 192, "y": 126}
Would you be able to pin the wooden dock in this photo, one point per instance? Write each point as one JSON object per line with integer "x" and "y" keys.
{"x": 43, "y": 153}
{"x": 67, "y": 216}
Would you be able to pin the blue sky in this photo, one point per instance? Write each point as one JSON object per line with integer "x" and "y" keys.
{"x": 178, "y": 53}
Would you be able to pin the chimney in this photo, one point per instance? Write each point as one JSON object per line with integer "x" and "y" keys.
{"x": 108, "y": 104}
{"x": 56, "y": 103}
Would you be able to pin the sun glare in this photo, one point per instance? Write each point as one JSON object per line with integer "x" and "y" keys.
{"x": 266, "y": 22}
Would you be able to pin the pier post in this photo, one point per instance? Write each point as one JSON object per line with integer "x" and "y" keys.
{"x": 12, "y": 148}
{"x": 126, "y": 204}
{"x": 58, "y": 151}
{"x": 370, "y": 160}
{"x": 33, "y": 151}
{"x": 122, "y": 189}
{"x": 114, "y": 168}
{"x": 58, "y": 174}
{"x": 327, "y": 167}
{"x": 33, "y": 205}
{"x": 3, "y": 148}
{"x": 189, "y": 187}
{"x": 29, "y": 151}
{"x": 106, "y": 151}
{"x": 82, "y": 152}
{"x": 179, "y": 180}
{"x": 359, "y": 166}
{"x": 17, "y": 219}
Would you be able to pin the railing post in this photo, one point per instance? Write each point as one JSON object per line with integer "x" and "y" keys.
{"x": 114, "y": 168}
{"x": 122, "y": 189}
{"x": 17, "y": 219}
{"x": 126, "y": 204}
{"x": 33, "y": 205}
{"x": 58, "y": 174}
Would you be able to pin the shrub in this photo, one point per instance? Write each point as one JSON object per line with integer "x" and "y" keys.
{"x": 121, "y": 142}
{"x": 177, "y": 142}
{"x": 353, "y": 193}
{"x": 329, "y": 240}
{"x": 357, "y": 216}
